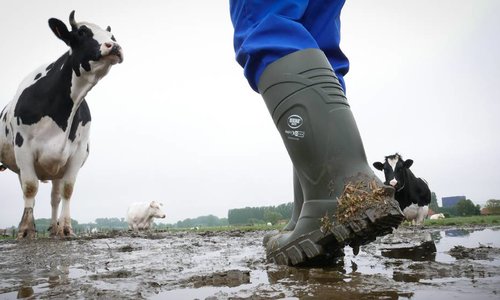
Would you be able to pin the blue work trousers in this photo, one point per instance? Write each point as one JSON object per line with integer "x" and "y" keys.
{"x": 266, "y": 30}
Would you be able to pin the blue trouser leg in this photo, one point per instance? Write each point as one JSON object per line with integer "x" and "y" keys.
{"x": 265, "y": 31}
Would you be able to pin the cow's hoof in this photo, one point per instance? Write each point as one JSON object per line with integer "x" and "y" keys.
{"x": 27, "y": 226}
{"x": 26, "y": 234}
{"x": 53, "y": 231}
{"x": 66, "y": 232}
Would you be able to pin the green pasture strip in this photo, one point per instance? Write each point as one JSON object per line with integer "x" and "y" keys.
{"x": 471, "y": 220}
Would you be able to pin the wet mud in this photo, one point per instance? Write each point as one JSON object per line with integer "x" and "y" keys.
{"x": 411, "y": 263}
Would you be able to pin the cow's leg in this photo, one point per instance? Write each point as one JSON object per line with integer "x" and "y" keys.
{"x": 64, "y": 228}
{"x": 55, "y": 200}
{"x": 421, "y": 213}
{"x": 67, "y": 185}
{"x": 29, "y": 185}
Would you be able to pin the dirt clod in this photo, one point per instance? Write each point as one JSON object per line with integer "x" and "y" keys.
{"x": 229, "y": 278}
{"x": 479, "y": 253}
{"x": 357, "y": 197}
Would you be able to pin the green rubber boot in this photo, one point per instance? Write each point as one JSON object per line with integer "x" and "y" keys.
{"x": 316, "y": 124}
{"x": 298, "y": 200}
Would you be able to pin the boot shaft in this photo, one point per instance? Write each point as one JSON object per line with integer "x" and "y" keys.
{"x": 315, "y": 122}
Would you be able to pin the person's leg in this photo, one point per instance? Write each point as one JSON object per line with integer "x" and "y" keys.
{"x": 322, "y": 21}
{"x": 308, "y": 106}
{"x": 265, "y": 31}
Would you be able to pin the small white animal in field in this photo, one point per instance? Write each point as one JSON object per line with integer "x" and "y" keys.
{"x": 140, "y": 215}
{"x": 436, "y": 216}
{"x": 416, "y": 214}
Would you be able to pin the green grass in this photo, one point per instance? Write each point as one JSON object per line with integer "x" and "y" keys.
{"x": 231, "y": 228}
{"x": 460, "y": 221}
{"x": 452, "y": 221}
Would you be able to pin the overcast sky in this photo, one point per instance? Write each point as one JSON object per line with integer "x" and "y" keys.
{"x": 178, "y": 123}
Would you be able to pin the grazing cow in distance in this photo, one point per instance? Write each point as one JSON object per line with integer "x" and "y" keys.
{"x": 412, "y": 193}
{"x": 44, "y": 130}
{"x": 140, "y": 215}
{"x": 437, "y": 216}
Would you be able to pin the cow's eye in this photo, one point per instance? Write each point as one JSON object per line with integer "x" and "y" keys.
{"x": 83, "y": 31}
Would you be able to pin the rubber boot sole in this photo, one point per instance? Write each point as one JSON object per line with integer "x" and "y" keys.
{"x": 323, "y": 248}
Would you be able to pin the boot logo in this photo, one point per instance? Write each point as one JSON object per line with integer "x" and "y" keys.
{"x": 295, "y": 121}
{"x": 295, "y": 134}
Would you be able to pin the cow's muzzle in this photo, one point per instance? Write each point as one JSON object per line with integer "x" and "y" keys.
{"x": 114, "y": 49}
{"x": 117, "y": 50}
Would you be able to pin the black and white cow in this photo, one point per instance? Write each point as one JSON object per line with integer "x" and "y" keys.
{"x": 44, "y": 130}
{"x": 412, "y": 193}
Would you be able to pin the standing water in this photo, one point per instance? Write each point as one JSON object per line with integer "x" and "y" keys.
{"x": 411, "y": 263}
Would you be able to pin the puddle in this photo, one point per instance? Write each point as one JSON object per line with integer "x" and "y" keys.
{"x": 409, "y": 264}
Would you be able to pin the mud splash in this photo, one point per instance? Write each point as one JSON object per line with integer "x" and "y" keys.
{"x": 410, "y": 263}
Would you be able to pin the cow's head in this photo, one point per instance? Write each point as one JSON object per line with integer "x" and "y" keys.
{"x": 155, "y": 209}
{"x": 92, "y": 48}
{"x": 394, "y": 168}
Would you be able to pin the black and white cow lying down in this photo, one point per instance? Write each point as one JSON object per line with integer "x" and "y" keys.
{"x": 412, "y": 193}
{"x": 44, "y": 130}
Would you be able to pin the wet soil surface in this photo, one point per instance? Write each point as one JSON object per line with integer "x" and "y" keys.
{"x": 411, "y": 263}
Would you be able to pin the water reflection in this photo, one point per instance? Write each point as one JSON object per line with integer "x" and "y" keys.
{"x": 436, "y": 236}
{"x": 457, "y": 232}
{"x": 412, "y": 263}
{"x": 415, "y": 246}
{"x": 426, "y": 251}
{"x": 307, "y": 275}
{"x": 46, "y": 266}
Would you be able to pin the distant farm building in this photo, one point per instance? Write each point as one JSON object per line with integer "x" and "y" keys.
{"x": 451, "y": 201}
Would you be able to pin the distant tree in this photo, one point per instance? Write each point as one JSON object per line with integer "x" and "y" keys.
{"x": 42, "y": 224}
{"x": 205, "y": 221}
{"x": 272, "y": 216}
{"x": 449, "y": 211}
{"x": 248, "y": 214}
{"x": 467, "y": 208}
{"x": 434, "y": 204}
{"x": 111, "y": 223}
{"x": 254, "y": 221}
{"x": 493, "y": 206}
{"x": 285, "y": 210}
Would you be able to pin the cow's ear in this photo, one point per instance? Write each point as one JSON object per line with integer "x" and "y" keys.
{"x": 152, "y": 204}
{"x": 378, "y": 165}
{"x": 108, "y": 29}
{"x": 60, "y": 30}
{"x": 408, "y": 163}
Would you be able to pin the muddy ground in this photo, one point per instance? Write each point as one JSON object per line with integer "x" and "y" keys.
{"x": 442, "y": 263}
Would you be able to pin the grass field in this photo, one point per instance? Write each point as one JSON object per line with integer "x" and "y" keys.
{"x": 452, "y": 221}
{"x": 463, "y": 221}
